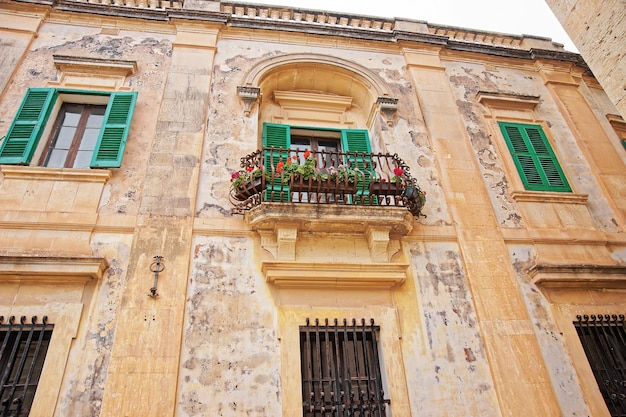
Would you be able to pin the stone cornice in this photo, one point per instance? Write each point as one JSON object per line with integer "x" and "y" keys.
{"x": 42, "y": 269}
{"x": 317, "y": 22}
{"x": 111, "y": 10}
{"x": 579, "y": 276}
{"x": 374, "y": 276}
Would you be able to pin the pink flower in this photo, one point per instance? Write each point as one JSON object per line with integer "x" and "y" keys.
{"x": 398, "y": 171}
{"x": 234, "y": 176}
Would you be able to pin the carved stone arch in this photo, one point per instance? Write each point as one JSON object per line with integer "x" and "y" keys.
{"x": 320, "y": 82}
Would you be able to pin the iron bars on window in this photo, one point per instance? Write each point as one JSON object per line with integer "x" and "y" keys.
{"x": 22, "y": 353}
{"x": 341, "y": 370}
{"x": 604, "y": 340}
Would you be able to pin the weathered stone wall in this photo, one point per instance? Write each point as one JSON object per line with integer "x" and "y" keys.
{"x": 230, "y": 362}
{"x": 463, "y": 318}
{"x": 446, "y": 345}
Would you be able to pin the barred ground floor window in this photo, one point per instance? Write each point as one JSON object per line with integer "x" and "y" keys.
{"x": 603, "y": 338}
{"x": 341, "y": 372}
{"x": 22, "y": 354}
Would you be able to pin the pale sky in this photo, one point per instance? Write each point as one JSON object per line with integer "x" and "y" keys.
{"x": 532, "y": 17}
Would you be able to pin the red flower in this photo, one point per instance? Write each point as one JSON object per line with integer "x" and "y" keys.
{"x": 398, "y": 171}
{"x": 250, "y": 169}
{"x": 234, "y": 176}
{"x": 279, "y": 166}
{"x": 307, "y": 154}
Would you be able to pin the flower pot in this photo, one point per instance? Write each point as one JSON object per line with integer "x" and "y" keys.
{"x": 248, "y": 189}
{"x": 313, "y": 185}
{"x": 415, "y": 200}
{"x": 385, "y": 188}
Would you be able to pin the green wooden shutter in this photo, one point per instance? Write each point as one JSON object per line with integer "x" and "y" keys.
{"x": 279, "y": 137}
{"x": 23, "y": 136}
{"x": 114, "y": 132}
{"x": 353, "y": 140}
{"x": 534, "y": 158}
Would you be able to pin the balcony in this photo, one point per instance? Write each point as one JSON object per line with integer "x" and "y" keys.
{"x": 315, "y": 211}
{"x": 329, "y": 178}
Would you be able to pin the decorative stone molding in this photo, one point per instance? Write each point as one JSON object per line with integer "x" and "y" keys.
{"x": 388, "y": 108}
{"x": 507, "y": 100}
{"x": 312, "y": 100}
{"x": 134, "y": 4}
{"x": 334, "y": 275}
{"x": 282, "y": 14}
{"x": 618, "y": 124}
{"x": 549, "y": 197}
{"x": 19, "y": 172}
{"x": 89, "y": 64}
{"x": 100, "y": 73}
{"x": 248, "y": 95}
{"x": 578, "y": 276}
{"x": 37, "y": 269}
{"x": 286, "y": 237}
{"x": 325, "y": 218}
{"x": 282, "y": 226}
{"x": 378, "y": 241}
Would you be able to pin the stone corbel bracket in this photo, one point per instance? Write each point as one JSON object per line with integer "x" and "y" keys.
{"x": 388, "y": 107}
{"x": 248, "y": 95}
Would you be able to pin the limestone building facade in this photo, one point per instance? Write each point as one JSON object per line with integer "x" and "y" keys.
{"x": 224, "y": 209}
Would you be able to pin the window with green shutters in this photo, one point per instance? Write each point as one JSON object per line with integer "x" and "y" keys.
{"x": 278, "y": 136}
{"x": 534, "y": 158}
{"x": 104, "y": 150}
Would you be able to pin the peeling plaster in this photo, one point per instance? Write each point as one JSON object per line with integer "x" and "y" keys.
{"x": 556, "y": 358}
{"x": 468, "y": 82}
{"x": 228, "y": 314}
{"x": 454, "y": 359}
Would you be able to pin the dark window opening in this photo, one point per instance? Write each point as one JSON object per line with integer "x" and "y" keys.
{"x": 341, "y": 370}
{"x": 22, "y": 354}
{"x": 74, "y": 137}
{"x": 325, "y": 151}
{"x": 604, "y": 340}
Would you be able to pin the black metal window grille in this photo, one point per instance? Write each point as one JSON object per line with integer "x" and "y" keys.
{"x": 22, "y": 353}
{"x": 604, "y": 341}
{"x": 341, "y": 370}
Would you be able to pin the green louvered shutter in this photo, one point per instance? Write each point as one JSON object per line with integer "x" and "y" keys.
{"x": 534, "y": 158}
{"x": 114, "y": 132}
{"x": 23, "y": 136}
{"x": 353, "y": 140}
{"x": 277, "y": 136}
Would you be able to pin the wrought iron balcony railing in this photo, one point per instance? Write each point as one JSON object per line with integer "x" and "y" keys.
{"x": 324, "y": 177}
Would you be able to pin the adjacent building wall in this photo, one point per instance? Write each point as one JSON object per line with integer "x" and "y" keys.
{"x": 597, "y": 28}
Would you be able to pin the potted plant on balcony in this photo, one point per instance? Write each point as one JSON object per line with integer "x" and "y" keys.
{"x": 246, "y": 183}
{"x": 395, "y": 186}
{"x": 306, "y": 177}
{"x": 415, "y": 199}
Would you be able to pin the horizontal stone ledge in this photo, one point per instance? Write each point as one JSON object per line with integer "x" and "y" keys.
{"x": 42, "y": 269}
{"x": 296, "y": 274}
{"x": 578, "y": 276}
